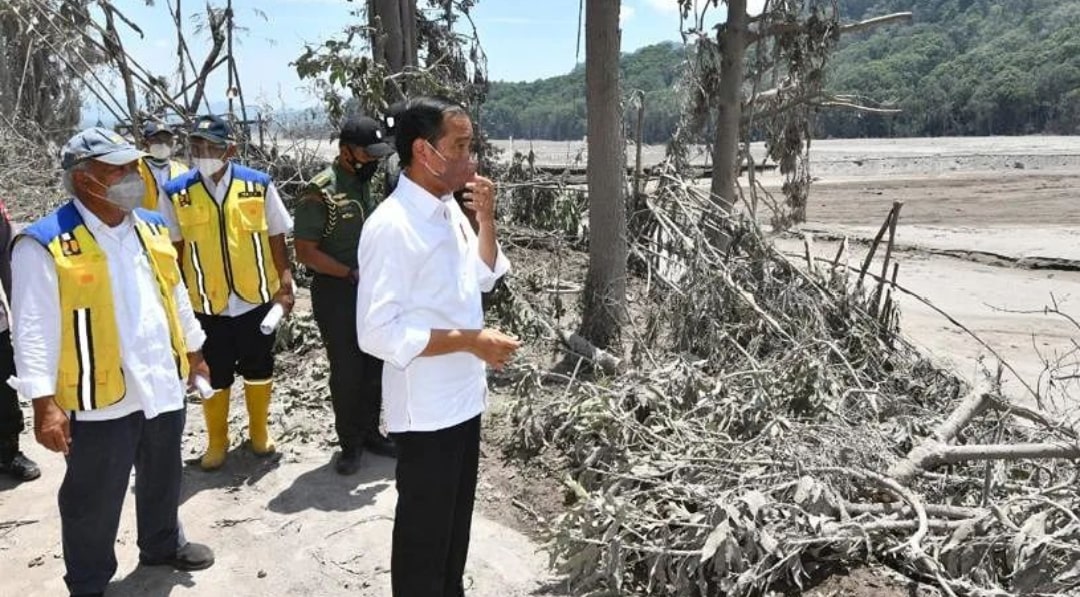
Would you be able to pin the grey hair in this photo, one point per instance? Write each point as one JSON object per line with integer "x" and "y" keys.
{"x": 68, "y": 179}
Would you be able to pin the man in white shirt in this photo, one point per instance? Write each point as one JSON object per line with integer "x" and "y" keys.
{"x": 421, "y": 271}
{"x": 229, "y": 226}
{"x": 106, "y": 346}
{"x": 13, "y": 462}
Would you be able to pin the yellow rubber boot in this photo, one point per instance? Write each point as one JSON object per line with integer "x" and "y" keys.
{"x": 216, "y": 411}
{"x": 257, "y": 396}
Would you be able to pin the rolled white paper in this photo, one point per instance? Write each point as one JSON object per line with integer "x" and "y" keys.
{"x": 272, "y": 319}
{"x": 203, "y": 387}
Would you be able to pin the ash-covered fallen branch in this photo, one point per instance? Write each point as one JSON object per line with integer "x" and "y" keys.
{"x": 738, "y": 457}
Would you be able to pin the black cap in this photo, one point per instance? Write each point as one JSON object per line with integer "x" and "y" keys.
{"x": 155, "y": 128}
{"x": 363, "y": 131}
{"x": 213, "y": 129}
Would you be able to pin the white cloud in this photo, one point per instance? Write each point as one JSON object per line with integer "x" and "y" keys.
{"x": 626, "y": 13}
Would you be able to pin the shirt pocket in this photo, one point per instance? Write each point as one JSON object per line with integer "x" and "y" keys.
{"x": 252, "y": 212}
{"x": 446, "y": 273}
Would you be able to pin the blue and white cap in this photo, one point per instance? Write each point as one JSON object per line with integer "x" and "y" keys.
{"x": 99, "y": 144}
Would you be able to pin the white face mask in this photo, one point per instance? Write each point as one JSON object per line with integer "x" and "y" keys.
{"x": 127, "y": 193}
{"x": 161, "y": 151}
{"x": 208, "y": 166}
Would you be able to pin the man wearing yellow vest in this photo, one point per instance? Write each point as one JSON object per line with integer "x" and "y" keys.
{"x": 105, "y": 346}
{"x": 158, "y": 167}
{"x": 229, "y": 226}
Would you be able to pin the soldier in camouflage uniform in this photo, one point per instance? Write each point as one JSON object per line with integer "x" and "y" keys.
{"x": 327, "y": 231}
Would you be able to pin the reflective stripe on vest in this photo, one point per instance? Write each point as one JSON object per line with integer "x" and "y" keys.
{"x": 90, "y": 374}
{"x": 227, "y": 247}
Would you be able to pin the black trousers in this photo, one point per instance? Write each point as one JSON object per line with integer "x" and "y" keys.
{"x": 236, "y": 345}
{"x": 355, "y": 376}
{"x": 436, "y": 484}
{"x": 11, "y": 416}
{"x": 92, "y": 494}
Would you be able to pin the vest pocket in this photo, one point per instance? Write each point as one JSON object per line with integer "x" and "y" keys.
{"x": 82, "y": 283}
{"x": 193, "y": 219}
{"x": 164, "y": 256}
{"x": 252, "y": 214}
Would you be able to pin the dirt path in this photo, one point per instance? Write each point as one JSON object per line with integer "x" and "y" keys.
{"x": 292, "y": 527}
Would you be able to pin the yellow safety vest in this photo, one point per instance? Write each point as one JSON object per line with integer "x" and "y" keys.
{"x": 226, "y": 247}
{"x": 150, "y": 199}
{"x": 90, "y": 374}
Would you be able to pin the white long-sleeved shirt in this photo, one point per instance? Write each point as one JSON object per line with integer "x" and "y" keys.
{"x": 153, "y": 385}
{"x": 278, "y": 221}
{"x": 420, "y": 269}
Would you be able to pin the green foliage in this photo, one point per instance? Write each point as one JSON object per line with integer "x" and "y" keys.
{"x": 965, "y": 67}
{"x": 347, "y": 77}
{"x": 554, "y": 108}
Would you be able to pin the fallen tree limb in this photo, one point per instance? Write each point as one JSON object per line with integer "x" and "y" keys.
{"x": 581, "y": 347}
{"x": 935, "y": 510}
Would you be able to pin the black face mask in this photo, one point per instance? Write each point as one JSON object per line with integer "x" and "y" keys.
{"x": 364, "y": 172}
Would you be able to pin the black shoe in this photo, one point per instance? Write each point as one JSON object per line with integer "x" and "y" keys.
{"x": 88, "y": 595}
{"x": 20, "y": 468}
{"x": 348, "y": 462}
{"x": 190, "y": 557}
{"x": 380, "y": 446}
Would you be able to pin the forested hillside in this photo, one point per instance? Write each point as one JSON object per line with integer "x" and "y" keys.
{"x": 554, "y": 108}
{"x": 964, "y": 67}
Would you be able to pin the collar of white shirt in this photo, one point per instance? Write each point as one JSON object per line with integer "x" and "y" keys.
{"x": 97, "y": 227}
{"x": 217, "y": 188}
{"x": 418, "y": 199}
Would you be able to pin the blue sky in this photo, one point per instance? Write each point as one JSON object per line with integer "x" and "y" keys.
{"x": 523, "y": 39}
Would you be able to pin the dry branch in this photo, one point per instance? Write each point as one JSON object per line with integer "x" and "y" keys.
{"x": 583, "y": 348}
{"x": 737, "y": 449}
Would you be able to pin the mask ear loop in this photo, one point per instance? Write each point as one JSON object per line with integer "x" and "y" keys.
{"x": 103, "y": 186}
{"x": 441, "y": 157}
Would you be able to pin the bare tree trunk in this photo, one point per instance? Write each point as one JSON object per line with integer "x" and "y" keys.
{"x": 605, "y": 286}
{"x": 393, "y": 43}
{"x": 408, "y": 33}
{"x": 729, "y": 106}
{"x": 8, "y": 54}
